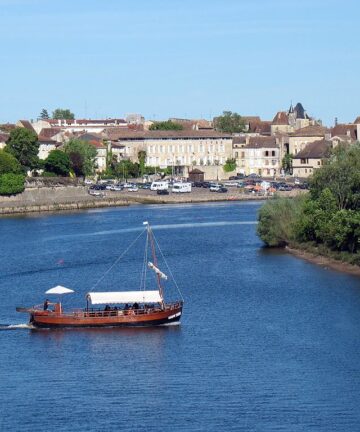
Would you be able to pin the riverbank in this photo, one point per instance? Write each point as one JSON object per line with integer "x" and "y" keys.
{"x": 50, "y": 199}
{"x": 325, "y": 261}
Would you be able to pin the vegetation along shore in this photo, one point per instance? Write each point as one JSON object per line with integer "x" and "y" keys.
{"x": 324, "y": 222}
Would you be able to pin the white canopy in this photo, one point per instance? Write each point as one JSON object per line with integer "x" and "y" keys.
{"x": 59, "y": 290}
{"x": 124, "y": 297}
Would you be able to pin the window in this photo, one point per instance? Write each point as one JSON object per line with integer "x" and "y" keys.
{"x": 266, "y": 153}
{"x": 236, "y": 155}
{"x": 242, "y": 155}
{"x": 273, "y": 153}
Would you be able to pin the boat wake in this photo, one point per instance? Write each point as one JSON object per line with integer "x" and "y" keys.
{"x": 25, "y": 326}
{"x": 157, "y": 227}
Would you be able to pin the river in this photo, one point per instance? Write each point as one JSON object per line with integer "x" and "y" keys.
{"x": 267, "y": 342}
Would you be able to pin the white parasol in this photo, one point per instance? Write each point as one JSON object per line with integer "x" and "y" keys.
{"x": 59, "y": 290}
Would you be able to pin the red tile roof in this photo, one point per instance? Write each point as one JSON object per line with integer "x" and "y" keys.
{"x": 281, "y": 118}
{"x": 27, "y": 125}
{"x": 315, "y": 150}
{"x": 262, "y": 142}
{"x": 345, "y": 129}
{"x": 4, "y": 137}
{"x": 312, "y": 130}
{"x": 124, "y": 134}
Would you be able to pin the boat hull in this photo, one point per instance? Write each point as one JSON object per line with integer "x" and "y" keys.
{"x": 41, "y": 319}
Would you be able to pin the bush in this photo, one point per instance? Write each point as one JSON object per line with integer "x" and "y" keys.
{"x": 8, "y": 163}
{"x": 58, "y": 163}
{"x": 277, "y": 220}
{"x": 12, "y": 184}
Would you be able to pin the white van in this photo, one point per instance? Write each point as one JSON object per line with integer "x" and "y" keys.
{"x": 181, "y": 187}
{"x": 159, "y": 185}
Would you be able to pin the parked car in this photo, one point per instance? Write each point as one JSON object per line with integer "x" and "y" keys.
{"x": 162, "y": 192}
{"x": 222, "y": 189}
{"x": 286, "y": 188}
{"x": 206, "y": 185}
{"x": 134, "y": 188}
{"x": 215, "y": 187}
{"x": 231, "y": 183}
{"x": 116, "y": 188}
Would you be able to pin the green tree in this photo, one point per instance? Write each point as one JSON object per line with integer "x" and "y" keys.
{"x": 230, "y": 165}
{"x": 44, "y": 115}
{"x": 63, "y": 114}
{"x": 229, "y": 122}
{"x": 287, "y": 163}
{"x": 58, "y": 162}
{"x": 126, "y": 169}
{"x": 166, "y": 125}
{"x": 12, "y": 184}
{"x": 142, "y": 160}
{"x": 82, "y": 157}
{"x": 341, "y": 175}
{"x": 23, "y": 145}
{"x": 8, "y": 163}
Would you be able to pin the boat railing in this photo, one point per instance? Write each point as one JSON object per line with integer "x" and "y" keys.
{"x": 112, "y": 312}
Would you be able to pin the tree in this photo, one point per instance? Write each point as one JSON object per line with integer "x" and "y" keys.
{"x": 341, "y": 175}
{"x": 142, "y": 160}
{"x": 229, "y": 122}
{"x": 44, "y": 115}
{"x": 8, "y": 163}
{"x": 230, "y": 165}
{"x": 11, "y": 184}
{"x": 287, "y": 163}
{"x": 23, "y": 145}
{"x": 166, "y": 125}
{"x": 63, "y": 114}
{"x": 126, "y": 169}
{"x": 58, "y": 162}
{"x": 82, "y": 157}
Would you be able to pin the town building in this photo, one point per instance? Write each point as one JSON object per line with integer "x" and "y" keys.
{"x": 257, "y": 155}
{"x": 3, "y": 139}
{"x": 311, "y": 157}
{"x": 181, "y": 150}
{"x": 299, "y": 139}
{"x": 80, "y": 125}
{"x": 292, "y": 120}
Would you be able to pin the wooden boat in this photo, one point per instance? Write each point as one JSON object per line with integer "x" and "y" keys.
{"x": 148, "y": 308}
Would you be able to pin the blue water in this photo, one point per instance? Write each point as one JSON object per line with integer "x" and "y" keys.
{"x": 267, "y": 342}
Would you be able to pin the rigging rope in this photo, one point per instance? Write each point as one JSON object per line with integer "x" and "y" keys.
{"x": 117, "y": 260}
{"x": 167, "y": 266}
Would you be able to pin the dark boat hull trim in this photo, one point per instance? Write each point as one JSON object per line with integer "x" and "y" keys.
{"x": 152, "y": 323}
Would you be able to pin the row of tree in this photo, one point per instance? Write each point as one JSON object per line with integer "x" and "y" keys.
{"x": 77, "y": 158}
{"x": 328, "y": 217}
{"x": 58, "y": 114}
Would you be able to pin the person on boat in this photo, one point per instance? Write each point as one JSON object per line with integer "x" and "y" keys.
{"x": 126, "y": 306}
{"x": 107, "y": 308}
{"x": 46, "y": 304}
{"x": 136, "y": 305}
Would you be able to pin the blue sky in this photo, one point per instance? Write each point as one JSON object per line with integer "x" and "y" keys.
{"x": 106, "y": 58}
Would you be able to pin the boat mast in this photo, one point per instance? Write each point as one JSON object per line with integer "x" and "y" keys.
{"x": 153, "y": 252}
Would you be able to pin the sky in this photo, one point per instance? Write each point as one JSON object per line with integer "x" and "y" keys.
{"x": 179, "y": 58}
